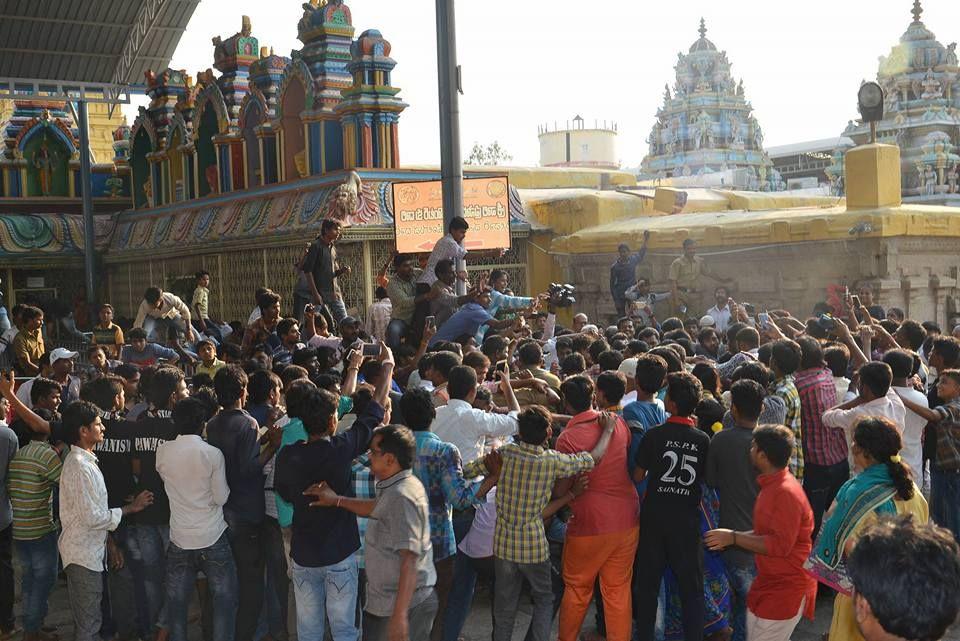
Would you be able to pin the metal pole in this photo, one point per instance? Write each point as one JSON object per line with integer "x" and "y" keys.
{"x": 451, "y": 167}
{"x": 88, "y": 232}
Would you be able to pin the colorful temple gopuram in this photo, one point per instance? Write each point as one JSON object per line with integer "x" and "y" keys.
{"x": 705, "y": 133}
{"x": 921, "y": 116}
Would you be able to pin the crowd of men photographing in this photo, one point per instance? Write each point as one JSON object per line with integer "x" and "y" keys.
{"x": 703, "y": 476}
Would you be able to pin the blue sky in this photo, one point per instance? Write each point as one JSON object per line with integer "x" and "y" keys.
{"x": 530, "y": 62}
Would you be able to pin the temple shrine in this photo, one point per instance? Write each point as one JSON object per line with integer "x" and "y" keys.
{"x": 921, "y": 116}
{"x": 706, "y": 127}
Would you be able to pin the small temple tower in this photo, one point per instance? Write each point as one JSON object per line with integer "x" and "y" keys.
{"x": 40, "y": 155}
{"x": 706, "y": 126}
{"x": 921, "y": 115}
{"x": 311, "y": 139}
{"x": 370, "y": 110}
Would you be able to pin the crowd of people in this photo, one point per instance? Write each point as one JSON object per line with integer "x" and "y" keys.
{"x": 695, "y": 477}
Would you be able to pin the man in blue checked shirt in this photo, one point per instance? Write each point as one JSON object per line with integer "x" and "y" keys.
{"x": 439, "y": 468}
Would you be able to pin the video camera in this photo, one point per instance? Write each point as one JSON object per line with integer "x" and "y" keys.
{"x": 562, "y": 294}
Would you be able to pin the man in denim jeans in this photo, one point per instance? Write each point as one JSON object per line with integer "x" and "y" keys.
{"x": 731, "y": 473}
{"x": 325, "y": 540}
{"x": 194, "y": 476}
{"x": 148, "y": 539}
{"x": 234, "y": 432}
{"x": 401, "y": 600}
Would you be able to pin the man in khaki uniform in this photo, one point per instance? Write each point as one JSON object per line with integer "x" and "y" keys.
{"x": 685, "y": 274}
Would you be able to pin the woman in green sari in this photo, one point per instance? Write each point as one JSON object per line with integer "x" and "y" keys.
{"x": 883, "y": 486}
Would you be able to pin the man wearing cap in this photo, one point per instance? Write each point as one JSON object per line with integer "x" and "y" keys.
{"x": 61, "y": 371}
{"x": 720, "y": 313}
{"x": 350, "y": 329}
{"x": 623, "y": 273}
{"x": 685, "y": 273}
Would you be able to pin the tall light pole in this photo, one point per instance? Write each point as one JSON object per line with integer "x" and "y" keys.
{"x": 89, "y": 264}
{"x": 451, "y": 167}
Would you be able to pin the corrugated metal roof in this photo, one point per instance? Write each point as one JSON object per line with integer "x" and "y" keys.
{"x": 84, "y": 41}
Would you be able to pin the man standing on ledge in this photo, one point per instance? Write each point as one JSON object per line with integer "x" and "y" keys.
{"x": 623, "y": 273}
{"x": 685, "y": 273}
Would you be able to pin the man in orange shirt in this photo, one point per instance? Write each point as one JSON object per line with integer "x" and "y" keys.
{"x": 781, "y": 541}
{"x": 603, "y": 532}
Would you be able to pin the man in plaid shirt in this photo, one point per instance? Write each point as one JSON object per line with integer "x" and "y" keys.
{"x": 520, "y": 547}
{"x": 825, "y": 447}
{"x": 784, "y": 361}
{"x": 364, "y": 486}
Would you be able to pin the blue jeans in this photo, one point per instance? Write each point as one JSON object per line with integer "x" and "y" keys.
{"x": 396, "y": 333}
{"x": 741, "y": 578}
{"x": 39, "y": 560}
{"x": 337, "y": 310}
{"x": 148, "y": 544}
{"x": 323, "y": 593}
{"x": 945, "y": 499}
{"x": 217, "y": 564}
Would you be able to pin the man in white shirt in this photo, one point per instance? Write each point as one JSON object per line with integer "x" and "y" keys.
{"x": 875, "y": 399}
{"x": 902, "y": 365}
{"x": 720, "y": 312}
{"x": 458, "y": 422}
{"x": 86, "y": 518}
{"x": 158, "y": 310}
{"x": 194, "y": 476}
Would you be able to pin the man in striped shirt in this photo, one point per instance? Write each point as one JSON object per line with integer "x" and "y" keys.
{"x": 31, "y": 477}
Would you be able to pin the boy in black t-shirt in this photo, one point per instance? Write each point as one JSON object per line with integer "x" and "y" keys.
{"x": 673, "y": 458}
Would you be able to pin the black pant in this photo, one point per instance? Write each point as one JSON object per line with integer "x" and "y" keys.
{"x": 6, "y": 579}
{"x": 673, "y": 541}
{"x": 821, "y": 484}
{"x": 420, "y": 313}
{"x": 248, "y": 542}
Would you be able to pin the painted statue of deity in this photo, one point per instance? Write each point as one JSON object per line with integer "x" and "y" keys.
{"x": 43, "y": 160}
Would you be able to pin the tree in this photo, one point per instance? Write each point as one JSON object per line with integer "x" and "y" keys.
{"x": 492, "y": 154}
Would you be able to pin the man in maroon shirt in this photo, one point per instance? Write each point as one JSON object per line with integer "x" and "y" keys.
{"x": 824, "y": 448}
{"x": 603, "y": 532}
{"x": 780, "y": 539}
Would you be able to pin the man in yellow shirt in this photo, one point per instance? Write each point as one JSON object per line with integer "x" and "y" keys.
{"x": 28, "y": 346}
{"x": 685, "y": 274}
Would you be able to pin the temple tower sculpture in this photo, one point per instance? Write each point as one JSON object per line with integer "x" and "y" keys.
{"x": 706, "y": 126}
{"x": 921, "y": 116}
{"x": 370, "y": 109}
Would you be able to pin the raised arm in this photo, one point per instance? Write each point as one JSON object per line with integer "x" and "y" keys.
{"x": 36, "y": 423}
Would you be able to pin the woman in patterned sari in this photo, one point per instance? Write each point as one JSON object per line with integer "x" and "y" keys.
{"x": 716, "y": 588}
{"x": 883, "y": 486}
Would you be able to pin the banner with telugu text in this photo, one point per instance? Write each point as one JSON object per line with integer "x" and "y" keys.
{"x": 418, "y": 214}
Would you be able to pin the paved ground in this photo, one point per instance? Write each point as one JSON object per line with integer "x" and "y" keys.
{"x": 478, "y": 626}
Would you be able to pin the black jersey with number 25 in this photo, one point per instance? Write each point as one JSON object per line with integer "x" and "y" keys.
{"x": 675, "y": 457}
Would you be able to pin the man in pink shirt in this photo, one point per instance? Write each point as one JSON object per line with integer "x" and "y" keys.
{"x": 603, "y": 532}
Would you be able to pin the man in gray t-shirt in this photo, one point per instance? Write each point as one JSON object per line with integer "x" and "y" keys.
{"x": 397, "y": 541}
{"x": 730, "y": 472}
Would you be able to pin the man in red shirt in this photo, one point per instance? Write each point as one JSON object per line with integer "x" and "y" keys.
{"x": 780, "y": 539}
{"x": 603, "y": 532}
